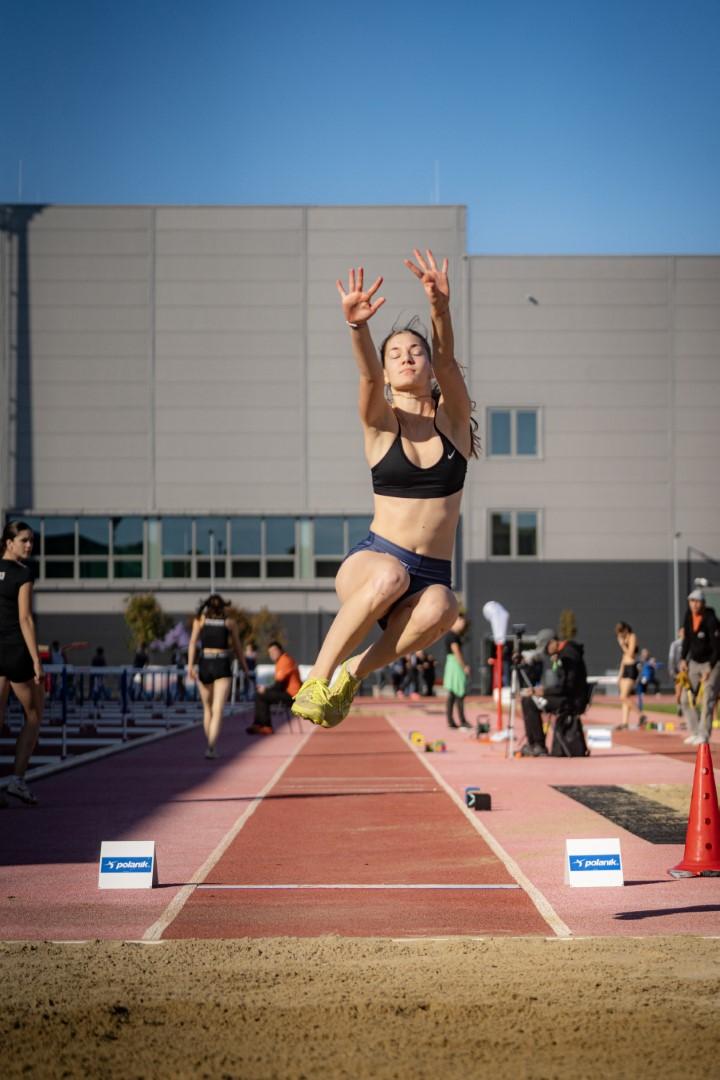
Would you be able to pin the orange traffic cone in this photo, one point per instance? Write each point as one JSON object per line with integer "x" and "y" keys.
{"x": 702, "y": 841}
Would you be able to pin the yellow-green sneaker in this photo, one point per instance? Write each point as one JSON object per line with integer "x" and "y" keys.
{"x": 342, "y": 693}
{"x": 312, "y": 701}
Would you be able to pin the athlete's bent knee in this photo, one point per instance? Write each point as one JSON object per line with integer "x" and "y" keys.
{"x": 388, "y": 583}
{"x": 440, "y": 607}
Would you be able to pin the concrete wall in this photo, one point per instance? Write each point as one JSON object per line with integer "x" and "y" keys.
{"x": 78, "y": 326}
{"x": 622, "y": 357}
{"x": 194, "y": 360}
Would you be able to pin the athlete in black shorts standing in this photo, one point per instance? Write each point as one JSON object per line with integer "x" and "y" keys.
{"x": 217, "y": 637}
{"x": 19, "y": 659}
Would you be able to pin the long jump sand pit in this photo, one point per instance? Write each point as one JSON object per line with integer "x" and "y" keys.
{"x": 362, "y": 1008}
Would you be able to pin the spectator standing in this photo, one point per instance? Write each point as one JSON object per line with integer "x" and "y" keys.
{"x": 57, "y": 659}
{"x": 411, "y": 686}
{"x": 250, "y": 688}
{"x": 455, "y": 675}
{"x": 628, "y": 672}
{"x": 98, "y": 688}
{"x": 178, "y": 660}
{"x": 398, "y": 671}
{"x": 426, "y": 663}
{"x": 675, "y": 654}
{"x": 141, "y": 658}
{"x": 217, "y": 636}
{"x": 281, "y": 692}
{"x": 701, "y": 661}
{"x": 137, "y": 681}
{"x": 678, "y": 677}
{"x": 20, "y": 662}
{"x": 646, "y": 682}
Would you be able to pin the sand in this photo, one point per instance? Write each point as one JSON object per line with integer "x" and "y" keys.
{"x": 362, "y": 1008}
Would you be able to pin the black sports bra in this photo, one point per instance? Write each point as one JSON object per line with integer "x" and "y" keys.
{"x": 399, "y": 477}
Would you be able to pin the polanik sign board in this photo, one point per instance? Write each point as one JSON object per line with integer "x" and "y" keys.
{"x": 127, "y": 864}
{"x": 592, "y": 863}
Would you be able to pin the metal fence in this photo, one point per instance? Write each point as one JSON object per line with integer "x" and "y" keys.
{"x": 91, "y": 709}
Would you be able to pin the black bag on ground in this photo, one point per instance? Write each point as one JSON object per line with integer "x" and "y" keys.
{"x": 569, "y": 737}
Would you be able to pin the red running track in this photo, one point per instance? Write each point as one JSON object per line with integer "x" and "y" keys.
{"x": 356, "y": 807}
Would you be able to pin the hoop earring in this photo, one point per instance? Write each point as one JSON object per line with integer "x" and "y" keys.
{"x": 388, "y": 393}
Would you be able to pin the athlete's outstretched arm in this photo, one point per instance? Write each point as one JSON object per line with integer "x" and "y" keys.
{"x": 435, "y": 282}
{"x": 358, "y": 308}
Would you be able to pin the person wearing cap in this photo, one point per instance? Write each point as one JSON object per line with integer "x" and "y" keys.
{"x": 568, "y": 696}
{"x": 701, "y": 661}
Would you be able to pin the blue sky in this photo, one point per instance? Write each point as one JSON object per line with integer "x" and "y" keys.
{"x": 564, "y": 126}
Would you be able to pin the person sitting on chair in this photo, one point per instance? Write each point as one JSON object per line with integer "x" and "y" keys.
{"x": 567, "y": 699}
{"x": 280, "y": 692}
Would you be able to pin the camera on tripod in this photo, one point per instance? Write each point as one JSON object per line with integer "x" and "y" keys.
{"x": 518, "y": 629}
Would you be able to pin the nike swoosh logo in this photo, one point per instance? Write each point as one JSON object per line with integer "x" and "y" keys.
{"x": 451, "y": 454}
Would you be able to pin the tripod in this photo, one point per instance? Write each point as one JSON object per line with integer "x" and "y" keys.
{"x": 518, "y": 675}
{"x": 514, "y": 689}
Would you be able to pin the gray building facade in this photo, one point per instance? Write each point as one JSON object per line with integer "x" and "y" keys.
{"x": 179, "y": 408}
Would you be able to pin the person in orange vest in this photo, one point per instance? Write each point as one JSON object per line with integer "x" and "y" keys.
{"x": 280, "y": 692}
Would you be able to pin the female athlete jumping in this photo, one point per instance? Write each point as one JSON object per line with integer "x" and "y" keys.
{"x": 417, "y": 422}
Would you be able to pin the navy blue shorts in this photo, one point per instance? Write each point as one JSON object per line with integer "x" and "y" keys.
{"x": 423, "y": 570}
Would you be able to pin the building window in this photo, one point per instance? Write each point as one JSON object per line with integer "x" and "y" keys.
{"x": 211, "y": 547}
{"x": 177, "y": 547}
{"x": 128, "y": 547}
{"x": 246, "y": 547}
{"x": 513, "y": 433}
{"x": 58, "y": 548}
{"x": 280, "y": 547}
{"x": 334, "y": 536}
{"x": 185, "y": 548}
{"x": 93, "y": 546}
{"x": 329, "y": 546}
{"x": 514, "y": 534}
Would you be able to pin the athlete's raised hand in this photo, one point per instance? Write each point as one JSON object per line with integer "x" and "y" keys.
{"x": 357, "y": 302}
{"x": 434, "y": 280}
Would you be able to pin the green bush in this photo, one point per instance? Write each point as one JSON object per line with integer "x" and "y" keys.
{"x": 145, "y": 618}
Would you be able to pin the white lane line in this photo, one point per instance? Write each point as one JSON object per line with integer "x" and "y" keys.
{"x": 345, "y": 780}
{"x": 340, "y": 886}
{"x": 319, "y": 793}
{"x": 154, "y": 932}
{"x": 542, "y": 904}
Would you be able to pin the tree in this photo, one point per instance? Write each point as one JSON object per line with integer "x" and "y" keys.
{"x": 242, "y": 621}
{"x": 567, "y": 626}
{"x": 145, "y": 618}
{"x": 265, "y": 627}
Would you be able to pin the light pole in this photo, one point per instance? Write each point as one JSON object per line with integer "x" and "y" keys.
{"x": 212, "y": 561}
{"x": 676, "y": 586}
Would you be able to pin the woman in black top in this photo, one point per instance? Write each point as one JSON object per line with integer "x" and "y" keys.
{"x": 213, "y": 633}
{"x": 416, "y": 416}
{"x": 627, "y": 675}
{"x": 19, "y": 658}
